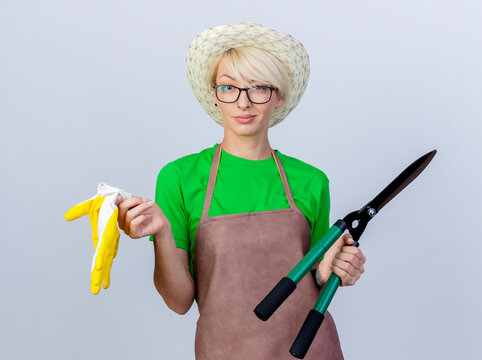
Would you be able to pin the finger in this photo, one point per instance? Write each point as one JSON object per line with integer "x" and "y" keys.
{"x": 342, "y": 274}
{"x": 345, "y": 278}
{"x": 345, "y": 266}
{"x": 138, "y": 226}
{"x": 340, "y": 241}
{"x": 124, "y": 207}
{"x": 351, "y": 250}
{"x": 364, "y": 259}
{"x": 350, "y": 258}
{"x": 352, "y": 274}
{"x": 118, "y": 200}
{"x": 355, "y": 251}
{"x": 348, "y": 239}
{"x": 133, "y": 213}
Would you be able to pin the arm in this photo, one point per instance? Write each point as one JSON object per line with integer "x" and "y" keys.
{"x": 172, "y": 277}
{"x": 139, "y": 217}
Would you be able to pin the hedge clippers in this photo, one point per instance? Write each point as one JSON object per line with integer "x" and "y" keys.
{"x": 355, "y": 222}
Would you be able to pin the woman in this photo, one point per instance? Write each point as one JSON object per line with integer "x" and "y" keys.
{"x": 229, "y": 229}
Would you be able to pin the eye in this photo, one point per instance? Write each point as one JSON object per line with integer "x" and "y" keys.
{"x": 225, "y": 87}
{"x": 261, "y": 88}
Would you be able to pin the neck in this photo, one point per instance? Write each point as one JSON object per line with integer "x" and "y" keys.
{"x": 247, "y": 147}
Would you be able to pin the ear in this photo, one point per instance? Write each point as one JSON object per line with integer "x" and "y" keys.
{"x": 280, "y": 103}
{"x": 213, "y": 93}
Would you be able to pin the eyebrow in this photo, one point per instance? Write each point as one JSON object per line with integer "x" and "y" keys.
{"x": 228, "y": 76}
{"x": 233, "y": 78}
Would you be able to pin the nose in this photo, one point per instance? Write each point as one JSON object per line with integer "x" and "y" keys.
{"x": 243, "y": 101}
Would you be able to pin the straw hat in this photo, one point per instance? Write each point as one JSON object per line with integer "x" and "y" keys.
{"x": 206, "y": 47}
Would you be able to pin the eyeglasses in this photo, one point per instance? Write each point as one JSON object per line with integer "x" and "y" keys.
{"x": 256, "y": 94}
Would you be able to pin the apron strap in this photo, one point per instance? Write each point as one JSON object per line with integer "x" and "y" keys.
{"x": 286, "y": 186}
{"x": 212, "y": 180}
{"x": 214, "y": 173}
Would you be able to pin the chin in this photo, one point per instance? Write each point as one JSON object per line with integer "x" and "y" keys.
{"x": 249, "y": 129}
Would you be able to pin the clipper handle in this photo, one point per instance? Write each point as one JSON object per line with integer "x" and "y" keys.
{"x": 307, "y": 334}
{"x": 275, "y": 298}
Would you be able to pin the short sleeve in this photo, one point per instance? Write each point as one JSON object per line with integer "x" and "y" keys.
{"x": 322, "y": 215}
{"x": 169, "y": 197}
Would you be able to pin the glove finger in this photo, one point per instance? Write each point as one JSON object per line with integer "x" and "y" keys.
{"x": 116, "y": 248}
{"x": 94, "y": 218}
{"x": 98, "y": 268}
{"x": 110, "y": 240}
{"x": 115, "y": 230}
{"x": 96, "y": 276}
{"x": 106, "y": 274}
{"x": 94, "y": 288}
{"x": 104, "y": 251}
{"x": 78, "y": 210}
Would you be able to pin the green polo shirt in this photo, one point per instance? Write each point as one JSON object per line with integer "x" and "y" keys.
{"x": 241, "y": 186}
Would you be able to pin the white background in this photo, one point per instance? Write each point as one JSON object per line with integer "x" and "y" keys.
{"x": 96, "y": 91}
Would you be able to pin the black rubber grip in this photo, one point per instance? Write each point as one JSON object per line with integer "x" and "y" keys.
{"x": 307, "y": 333}
{"x": 275, "y": 298}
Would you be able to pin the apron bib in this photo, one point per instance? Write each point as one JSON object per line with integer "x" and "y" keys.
{"x": 238, "y": 259}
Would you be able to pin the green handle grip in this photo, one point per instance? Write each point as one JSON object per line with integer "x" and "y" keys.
{"x": 327, "y": 293}
{"x": 317, "y": 251}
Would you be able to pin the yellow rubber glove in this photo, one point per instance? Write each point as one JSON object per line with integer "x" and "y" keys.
{"x": 103, "y": 219}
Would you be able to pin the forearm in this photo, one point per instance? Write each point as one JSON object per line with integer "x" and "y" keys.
{"x": 172, "y": 278}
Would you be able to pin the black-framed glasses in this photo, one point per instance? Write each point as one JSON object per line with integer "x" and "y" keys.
{"x": 256, "y": 94}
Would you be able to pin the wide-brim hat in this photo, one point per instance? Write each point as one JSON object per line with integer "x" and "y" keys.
{"x": 207, "y": 46}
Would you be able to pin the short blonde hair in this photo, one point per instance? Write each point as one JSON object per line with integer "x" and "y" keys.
{"x": 257, "y": 65}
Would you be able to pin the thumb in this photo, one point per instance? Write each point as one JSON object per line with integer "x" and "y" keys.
{"x": 118, "y": 200}
{"x": 348, "y": 239}
{"x": 345, "y": 239}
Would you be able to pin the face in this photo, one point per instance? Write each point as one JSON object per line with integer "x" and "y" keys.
{"x": 232, "y": 113}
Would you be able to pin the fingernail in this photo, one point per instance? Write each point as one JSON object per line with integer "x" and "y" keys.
{"x": 150, "y": 202}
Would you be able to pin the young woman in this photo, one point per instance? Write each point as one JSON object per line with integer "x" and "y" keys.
{"x": 230, "y": 221}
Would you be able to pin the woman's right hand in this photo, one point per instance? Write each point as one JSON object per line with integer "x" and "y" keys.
{"x": 140, "y": 217}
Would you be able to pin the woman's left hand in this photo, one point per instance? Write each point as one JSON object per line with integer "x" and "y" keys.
{"x": 345, "y": 261}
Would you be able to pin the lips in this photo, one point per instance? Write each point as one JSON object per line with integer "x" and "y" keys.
{"x": 245, "y": 118}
